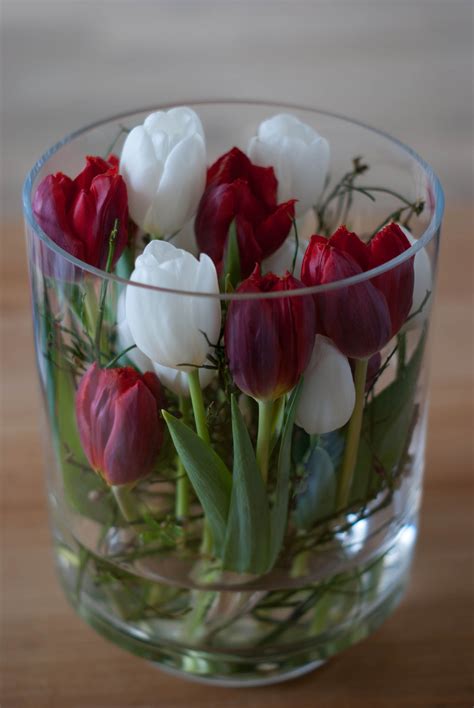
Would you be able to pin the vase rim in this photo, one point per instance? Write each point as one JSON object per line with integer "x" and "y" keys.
{"x": 429, "y": 233}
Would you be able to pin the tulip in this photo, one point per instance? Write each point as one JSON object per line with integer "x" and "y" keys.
{"x": 238, "y": 190}
{"x": 79, "y": 214}
{"x": 118, "y": 417}
{"x": 360, "y": 319}
{"x": 327, "y": 396}
{"x": 299, "y": 156}
{"x": 163, "y": 163}
{"x": 422, "y": 286}
{"x": 269, "y": 340}
{"x": 173, "y": 329}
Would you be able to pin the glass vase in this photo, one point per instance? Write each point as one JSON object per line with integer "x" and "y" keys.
{"x": 139, "y": 563}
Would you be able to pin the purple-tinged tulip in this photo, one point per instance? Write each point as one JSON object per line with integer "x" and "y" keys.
{"x": 361, "y": 318}
{"x": 118, "y": 416}
{"x": 269, "y": 340}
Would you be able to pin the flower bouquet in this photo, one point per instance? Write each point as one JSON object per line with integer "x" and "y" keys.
{"x": 230, "y": 343}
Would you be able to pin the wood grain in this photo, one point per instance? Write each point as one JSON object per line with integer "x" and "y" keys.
{"x": 422, "y": 656}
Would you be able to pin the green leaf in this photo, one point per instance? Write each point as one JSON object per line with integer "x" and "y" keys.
{"x": 231, "y": 266}
{"x": 387, "y": 422}
{"x": 247, "y": 539}
{"x": 80, "y": 483}
{"x": 279, "y": 512}
{"x": 208, "y": 474}
{"x": 316, "y": 496}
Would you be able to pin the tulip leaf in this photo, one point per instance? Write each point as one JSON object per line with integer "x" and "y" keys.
{"x": 386, "y": 427}
{"x": 208, "y": 474}
{"x": 246, "y": 546}
{"x": 231, "y": 266}
{"x": 279, "y": 512}
{"x": 316, "y": 495}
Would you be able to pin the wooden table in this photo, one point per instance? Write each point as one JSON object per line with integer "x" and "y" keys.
{"x": 422, "y": 656}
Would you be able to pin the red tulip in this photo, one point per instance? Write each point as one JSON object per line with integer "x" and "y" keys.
{"x": 118, "y": 416}
{"x": 361, "y": 318}
{"x": 79, "y": 214}
{"x": 269, "y": 341}
{"x": 238, "y": 189}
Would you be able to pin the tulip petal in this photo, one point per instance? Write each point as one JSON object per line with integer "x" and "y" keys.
{"x": 141, "y": 172}
{"x": 396, "y": 283}
{"x": 327, "y": 398}
{"x": 181, "y": 186}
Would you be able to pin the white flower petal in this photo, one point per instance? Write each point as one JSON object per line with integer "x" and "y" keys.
{"x": 299, "y": 156}
{"x": 169, "y": 327}
{"x": 328, "y": 395}
{"x": 141, "y": 173}
{"x": 164, "y": 166}
{"x": 181, "y": 186}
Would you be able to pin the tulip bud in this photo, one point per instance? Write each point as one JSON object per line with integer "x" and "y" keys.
{"x": 238, "y": 190}
{"x": 79, "y": 214}
{"x": 327, "y": 396}
{"x": 269, "y": 340}
{"x": 118, "y": 417}
{"x": 173, "y": 329}
{"x": 360, "y": 319}
{"x": 163, "y": 163}
{"x": 299, "y": 155}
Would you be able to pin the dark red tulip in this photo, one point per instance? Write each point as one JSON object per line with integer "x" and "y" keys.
{"x": 119, "y": 422}
{"x": 269, "y": 340}
{"x": 238, "y": 189}
{"x": 79, "y": 214}
{"x": 361, "y": 318}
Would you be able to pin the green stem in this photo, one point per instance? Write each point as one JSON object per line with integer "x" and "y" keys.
{"x": 103, "y": 290}
{"x": 199, "y": 412}
{"x": 125, "y": 502}
{"x": 182, "y": 482}
{"x": 265, "y": 419}
{"x": 198, "y": 405}
{"x": 402, "y": 352}
{"x": 353, "y": 436}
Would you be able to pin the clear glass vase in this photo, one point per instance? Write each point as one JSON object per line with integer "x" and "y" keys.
{"x": 139, "y": 563}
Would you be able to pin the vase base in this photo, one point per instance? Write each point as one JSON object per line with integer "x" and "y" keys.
{"x": 246, "y": 669}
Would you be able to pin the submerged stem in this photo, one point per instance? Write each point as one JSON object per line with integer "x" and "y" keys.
{"x": 353, "y": 436}
{"x": 103, "y": 290}
{"x": 125, "y": 502}
{"x": 265, "y": 419}
{"x": 199, "y": 411}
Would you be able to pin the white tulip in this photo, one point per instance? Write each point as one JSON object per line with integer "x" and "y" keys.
{"x": 125, "y": 339}
{"x": 297, "y": 153}
{"x": 163, "y": 164}
{"x": 328, "y": 395}
{"x": 423, "y": 283}
{"x": 282, "y": 260}
{"x": 177, "y": 381}
{"x": 171, "y": 329}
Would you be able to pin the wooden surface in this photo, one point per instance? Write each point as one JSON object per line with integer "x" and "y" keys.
{"x": 422, "y": 656}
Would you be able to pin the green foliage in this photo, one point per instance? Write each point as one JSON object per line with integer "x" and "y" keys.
{"x": 208, "y": 474}
{"x": 246, "y": 546}
{"x": 279, "y": 512}
{"x": 386, "y": 426}
{"x": 316, "y": 495}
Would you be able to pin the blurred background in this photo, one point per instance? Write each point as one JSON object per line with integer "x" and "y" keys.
{"x": 401, "y": 65}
